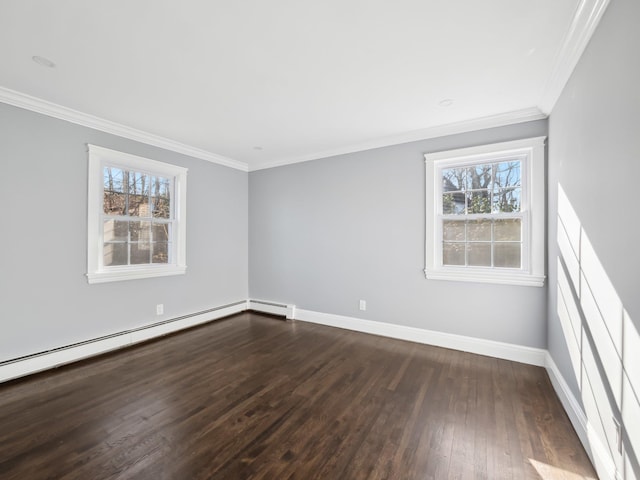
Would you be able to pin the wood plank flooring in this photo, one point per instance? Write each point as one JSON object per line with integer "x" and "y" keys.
{"x": 256, "y": 397}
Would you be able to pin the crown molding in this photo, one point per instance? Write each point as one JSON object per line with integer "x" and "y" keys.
{"x": 499, "y": 120}
{"x": 45, "y": 107}
{"x": 584, "y": 23}
{"x": 586, "y": 18}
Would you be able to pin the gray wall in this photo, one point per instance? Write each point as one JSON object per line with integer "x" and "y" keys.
{"x": 45, "y": 299}
{"x": 325, "y": 234}
{"x": 594, "y": 157}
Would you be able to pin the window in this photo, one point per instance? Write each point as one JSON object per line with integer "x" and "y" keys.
{"x": 136, "y": 217}
{"x": 485, "y": 213}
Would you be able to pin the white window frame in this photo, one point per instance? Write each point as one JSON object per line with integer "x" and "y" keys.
{"x": 99, "y": 157}
{"x": 531, "y": 152}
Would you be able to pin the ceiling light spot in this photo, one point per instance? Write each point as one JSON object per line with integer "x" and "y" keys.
{"x": 447, "y": 102}
{"x": 45, "y": 62}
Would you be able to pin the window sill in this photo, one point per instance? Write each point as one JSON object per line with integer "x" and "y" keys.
{"x": 484, "y": 276}
{"x": 133, "y": 273}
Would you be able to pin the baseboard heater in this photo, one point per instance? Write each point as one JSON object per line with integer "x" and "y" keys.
{"x": 25, "y": 365}
{"x": 287, "y": 311}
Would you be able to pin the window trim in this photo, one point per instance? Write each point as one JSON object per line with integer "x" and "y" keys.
{"x": 532, "y": 210}
{"x": 98, "y": 157}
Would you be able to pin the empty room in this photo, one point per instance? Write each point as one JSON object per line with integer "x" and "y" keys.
{"x": 323, "y": 240}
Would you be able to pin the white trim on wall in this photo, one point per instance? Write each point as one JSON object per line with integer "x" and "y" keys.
{"x": 45, "y": 360}
{"x": 533, "y": 356}
{"x": 584, "y": 23}
{"x": 585, "y": 20}
{"x": 499, "y": 120}
{"x": 569, "y": 402}
{"x": 518, "y": 353}
{"x": 34, "y": 104}
{"x": 506, "y": 351}
{"x": 590, "y": 440}
{"x": 60, "y": 356}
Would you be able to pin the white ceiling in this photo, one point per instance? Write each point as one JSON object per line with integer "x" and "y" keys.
{"x": 299, "y": 79}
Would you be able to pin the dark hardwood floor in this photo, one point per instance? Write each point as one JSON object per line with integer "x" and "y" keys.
{"x": 257, "y": 397}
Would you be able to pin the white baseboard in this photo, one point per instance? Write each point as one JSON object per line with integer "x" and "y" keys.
{"x": 55, "y": 358}
{"x": 507, "y": 351}
{"x": 597, "y": 452}
{"x": 568, "y": 400}
{"x": 533, "y": 356}
{"x": 518, "y": 353}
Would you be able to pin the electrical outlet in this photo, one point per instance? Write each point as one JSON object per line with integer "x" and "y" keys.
{"x": 159, "y": 309}
{"x": 363, "y": 305}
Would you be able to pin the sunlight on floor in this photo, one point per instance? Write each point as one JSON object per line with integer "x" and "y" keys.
{"x": 548, "y": 472}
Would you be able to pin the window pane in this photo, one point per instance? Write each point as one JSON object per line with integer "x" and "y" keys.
{"x": 479, "y": 202}
{"x": 478, "y": 177}
{"x": 507, "y": 230}
{"x": 114, "y": 180}
{"x": 161, "y": 187}
{"x": 453, "y": 254}
{"x": 115, "y": 231}
{"x": 453, "y": 203}
{"x": 479, "y": 230}
{"x": 114, "y": 203}
{"x": 506, "y": 200}
{"x": 479, "y": 254}
{"x": 139, "y": 206}
{"x": 115, "y": 254}
{"x": 161, "y": 197}
{"x": 161, "y": 232}
{"x": 140, "y": 231}
{"x": 453, "y": 179}
{"x": 161, "y": 207}
{"x": 140, "y": 253}
{"x": 453, "y": 230}
{"x": 160, "y": 252}
{"x": 138, "y": 183}
{"x": 507, "y": 254}
{"x": 507, "y": 174}
{"x": 139, "y": 195}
